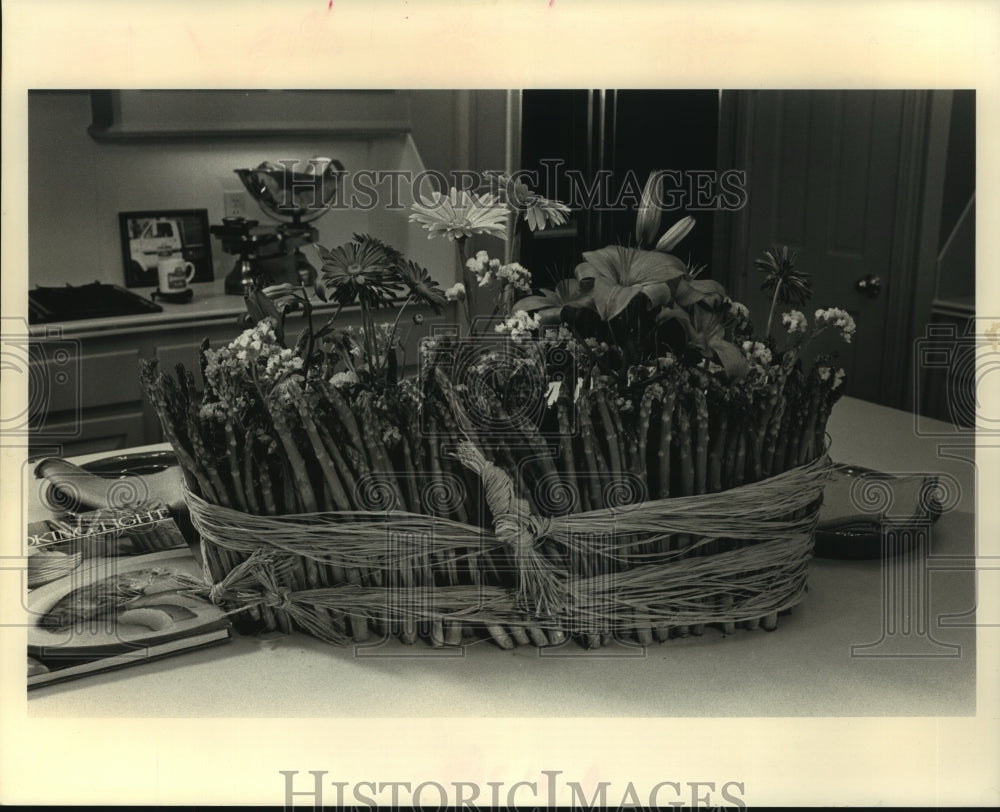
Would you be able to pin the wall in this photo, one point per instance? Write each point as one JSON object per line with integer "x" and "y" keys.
{"x": 79, "y": 185}
{"x": 956, "y": 272}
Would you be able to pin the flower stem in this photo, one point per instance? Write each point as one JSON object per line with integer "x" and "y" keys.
{"x": 774, "y": 303}
{"x": 395, "y": 325}
{"x": 467, "y": 277}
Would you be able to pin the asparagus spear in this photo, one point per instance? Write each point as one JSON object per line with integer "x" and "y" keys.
{"x": 266, "y": 486}
{"x": 153, "y": 384}
{"x": 346, "y": 417}
{"x": 809, "y": 423}
{"x": 186, "y": 391}
{"x": 612, "y": 435}
{"x": 234, "y": 465}
{"x": 687, "y": 477}
{"x": 253, "y": 506}
{"x": 774, "y": 425}
{"x": 701, "y": 460}
{"x": 566, "y": 454}
{"x": 654, "y": 392}
{"x": 701, "y": 441}
{"x": 380, "y": 465}
{"x": 293, "y": 456}
{"x": 664, "y": 453}
{"x": 666, "y": 440}
{"x": 740, "y": 465}
{"x": 341, "y": 466}
{"x": 715, "y": 458}
{"x": 590, "y": 453}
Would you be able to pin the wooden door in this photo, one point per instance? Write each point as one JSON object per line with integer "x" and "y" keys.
{"x": 838, "y": 176}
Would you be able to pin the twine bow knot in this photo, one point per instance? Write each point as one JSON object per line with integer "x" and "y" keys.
{"x": 541, "y": 589}
{"x": 217, "y": 592}
{"x": 280, "y": 599}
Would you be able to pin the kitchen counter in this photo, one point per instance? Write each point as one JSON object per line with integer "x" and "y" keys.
{"x": 210, "y": 304}
{"x": 804, "y": 668}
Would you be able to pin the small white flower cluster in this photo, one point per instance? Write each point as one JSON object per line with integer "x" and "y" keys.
{"x": 280, "y": 364}
{"x": 563, "y": 333}
{"x": 487, "y": 269}
{"x": 341, "y": 380}
{"x": 623, "y": 405}
{"x": 515, "y": 276}
{"x": 483, "y": 267}
{"x": 487, "y": 363}
{"x": 248, "y": 345}
{"x": 519, "y": 325}
{"x": 456, "y": 293}
{"x": 254, "y": 355}
{"x": 600, "y": 347}
{"x": 756, "y": 351}
{"x": 795, "y": 322}
{"x": 738, "y": 308}
{"x": 836, "y": 317}
{"x": 427, "y": 349}
{"x": 825, "y": 373}
{"x": 213, "y": 411}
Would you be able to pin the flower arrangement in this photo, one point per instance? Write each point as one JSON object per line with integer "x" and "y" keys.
{"x": 637, "y": 385}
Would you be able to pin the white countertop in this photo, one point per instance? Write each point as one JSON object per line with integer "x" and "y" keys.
{"x": 789, "y": 715}
{"x": 804, "y": 668}
{"x": 209, "y": 303}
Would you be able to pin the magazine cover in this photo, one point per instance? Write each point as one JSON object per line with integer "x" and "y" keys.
{"x": 111, "y": 589}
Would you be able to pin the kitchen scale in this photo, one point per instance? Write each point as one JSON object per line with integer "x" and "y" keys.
{"x": 268, "y": 254}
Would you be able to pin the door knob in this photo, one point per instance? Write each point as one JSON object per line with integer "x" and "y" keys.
{"x": 870, "y": 285}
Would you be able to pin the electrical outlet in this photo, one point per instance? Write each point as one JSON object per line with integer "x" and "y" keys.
{"x": 234, "y": 204}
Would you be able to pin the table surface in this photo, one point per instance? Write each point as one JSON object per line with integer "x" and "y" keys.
{"x": 810, "y": 666}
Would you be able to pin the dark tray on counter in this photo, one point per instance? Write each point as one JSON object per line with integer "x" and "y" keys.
{"x": 93, "y": 301}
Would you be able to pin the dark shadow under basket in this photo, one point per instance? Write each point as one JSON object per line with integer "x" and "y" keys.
{"x": 633, "y": 574}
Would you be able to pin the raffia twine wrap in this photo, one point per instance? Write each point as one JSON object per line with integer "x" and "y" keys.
{"x": 745, "y": 557}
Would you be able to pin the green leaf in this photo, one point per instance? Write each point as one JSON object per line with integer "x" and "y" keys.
{"x": 549, "y": 303}
{"x": 260, "y": 307}
{"x": 732, "y": 360}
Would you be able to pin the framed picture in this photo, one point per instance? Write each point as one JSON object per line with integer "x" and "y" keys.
{"x": 145, "y": 233}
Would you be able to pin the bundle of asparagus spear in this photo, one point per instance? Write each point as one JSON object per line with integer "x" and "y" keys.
{"x": 632, "y": 382}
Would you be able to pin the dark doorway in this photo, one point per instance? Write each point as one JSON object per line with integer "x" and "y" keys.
{"x": 572, "y": 138}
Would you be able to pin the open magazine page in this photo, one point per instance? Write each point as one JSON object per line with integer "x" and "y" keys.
{"x": 113, "y": 588}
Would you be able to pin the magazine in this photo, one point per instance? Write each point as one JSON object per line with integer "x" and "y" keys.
{"x": 113, "y": 588}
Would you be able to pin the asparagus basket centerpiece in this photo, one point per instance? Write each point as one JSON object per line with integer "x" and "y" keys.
{"x": 618, "y": 459}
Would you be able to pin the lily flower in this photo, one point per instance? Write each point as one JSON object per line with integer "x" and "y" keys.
{"x": 647, "y": 219}
{"x": 706, "y": 333}
{"x": 677, "y": 232}
{"x": 620, "y": 274}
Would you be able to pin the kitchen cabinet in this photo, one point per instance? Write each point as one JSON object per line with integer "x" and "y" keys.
{"x": 126, "y": 116}
{"x": 92, "y": 401}
{"x": 84, "y": 393}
